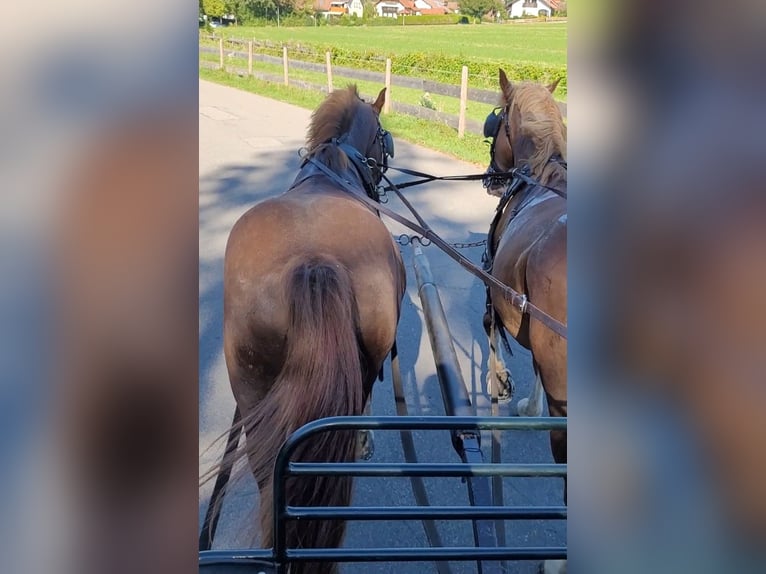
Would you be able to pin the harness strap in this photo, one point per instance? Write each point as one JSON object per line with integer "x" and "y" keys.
{"x": 516, "y": 299}
{"x": 362, "y": 167}
{"x": 213, "y": 512}
{"x": 497, "y": 481}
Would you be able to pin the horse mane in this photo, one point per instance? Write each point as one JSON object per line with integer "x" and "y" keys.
{"x": 330, "y": 120}
{"x": 542, "y": 122}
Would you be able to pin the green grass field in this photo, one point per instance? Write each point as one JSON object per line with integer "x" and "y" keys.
{"x": 536, "y": 43}
{"x": 514, "y": 43}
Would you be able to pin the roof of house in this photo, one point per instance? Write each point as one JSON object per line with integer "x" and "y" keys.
{"x": 553, "y": 4}
{"x": 409, "y": 4}
{"x": 327, "y": 6}
{"x": 435, "y": 7}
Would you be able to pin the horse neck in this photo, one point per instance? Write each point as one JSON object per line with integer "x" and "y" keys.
{"x": 547, "y": 172}
{"x": 553, "y": 174}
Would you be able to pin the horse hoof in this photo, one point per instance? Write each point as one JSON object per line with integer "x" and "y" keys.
{"x": 524, "y": 409}
{"x": 505, "y": 388}
{"x": 366, "y": 446}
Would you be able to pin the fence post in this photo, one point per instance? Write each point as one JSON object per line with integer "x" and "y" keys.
{"x": 328, "y": 59}
{"x": 220, "y": 53}
{"x": 250, "y": 58}
{"x": 284, "y": 63}
{"x": 387, "y": 104}
{"x": 463, "y": 102}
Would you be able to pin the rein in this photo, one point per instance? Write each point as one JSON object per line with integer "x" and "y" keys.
{"x": 516, "y": 299}
{"x": 515, "y": 173}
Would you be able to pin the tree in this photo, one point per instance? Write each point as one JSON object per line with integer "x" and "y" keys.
{"x": 369, "y": 9}
{"x": 478, "y": 8}
{"x": 214, "y": 8}
{"x": 238, "y": 9}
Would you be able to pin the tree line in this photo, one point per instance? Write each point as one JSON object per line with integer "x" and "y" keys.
{"x": 244, "y": 10}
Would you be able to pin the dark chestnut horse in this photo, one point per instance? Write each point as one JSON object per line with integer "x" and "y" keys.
{"x": 313, "y": 284}
{"x": 527, "y": 242}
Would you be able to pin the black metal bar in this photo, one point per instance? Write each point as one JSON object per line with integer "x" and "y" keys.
{"x": 231, "y": 556}
{"x": 280, "y": 552}
{"x": 453, "y": 553}
{"x": 431, "y": 469}
{"x": 466, "y": 442}
{"x": 462, "y": 553}
{"x": 425, "y": 512}
{"x": 410, "y": 455}
{"x": 213, "y": 512}
{"x": 424, "y": 423}
{"x": 480, "y": 493}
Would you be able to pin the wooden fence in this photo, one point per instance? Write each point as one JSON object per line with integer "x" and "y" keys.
{"x": 465, "y": 94}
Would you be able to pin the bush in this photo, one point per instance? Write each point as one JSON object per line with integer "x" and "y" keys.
{"x": 424, "y": 20}
{"x": 439, "y": 68}
{"x": 427, "y": 102}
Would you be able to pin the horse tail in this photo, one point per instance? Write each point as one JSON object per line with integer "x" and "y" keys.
{"x": 321, "y": 377}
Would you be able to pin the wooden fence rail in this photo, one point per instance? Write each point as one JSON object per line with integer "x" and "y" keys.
{"x": 462, "y": 92}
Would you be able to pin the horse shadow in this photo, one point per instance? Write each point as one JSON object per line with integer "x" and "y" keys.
{"x": 225, "y": 194}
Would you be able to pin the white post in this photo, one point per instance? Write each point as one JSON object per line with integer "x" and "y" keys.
{"x": 463, "y": 102}
{"x": 284, "y": 63}
{"x": 250, "y": 58}
{"x": 387, "y": 104}
{"x": 328, "y": 59}
{"x": 220, "y": 52}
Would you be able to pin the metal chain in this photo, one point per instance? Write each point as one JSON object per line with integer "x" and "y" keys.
{"x": 405, "y": 239}
{"x": 481, "y": 243}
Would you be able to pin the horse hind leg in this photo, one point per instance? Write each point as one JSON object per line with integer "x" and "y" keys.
{"x": 532, "y": 406}
{"x": 497, "y": 372}
{"x": 365, "y": 444}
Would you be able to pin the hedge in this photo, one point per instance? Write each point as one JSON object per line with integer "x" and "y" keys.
{"x": 437, "y": 67}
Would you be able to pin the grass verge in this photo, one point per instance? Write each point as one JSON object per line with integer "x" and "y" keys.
{"x": 431, "y": 135}
{"x": 475, "y": 111}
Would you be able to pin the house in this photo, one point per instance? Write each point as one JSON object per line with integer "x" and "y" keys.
{"x": 521, "y": 8}
{"x": 430, "y": 7}
{"x": 339, "y": 7}
{"x": 394, "y": 8}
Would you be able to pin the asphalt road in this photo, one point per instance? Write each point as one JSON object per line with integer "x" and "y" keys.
{"x": 249, "y": 152}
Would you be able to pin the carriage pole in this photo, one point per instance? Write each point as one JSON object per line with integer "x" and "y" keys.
{"x": 456, "y": 400}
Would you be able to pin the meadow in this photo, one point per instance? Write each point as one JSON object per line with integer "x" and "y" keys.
{"x": 530, "y": 43}
{"x": 521, "y": 48}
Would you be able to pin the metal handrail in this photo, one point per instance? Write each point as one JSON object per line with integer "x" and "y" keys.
{"x": 281, "y": 556}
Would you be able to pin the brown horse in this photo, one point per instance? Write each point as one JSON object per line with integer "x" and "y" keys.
{"x": 313, "y": 284}
{"x": 527, "y": 243}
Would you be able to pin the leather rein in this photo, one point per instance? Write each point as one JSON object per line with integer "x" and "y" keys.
{"x": 516, "y": 299}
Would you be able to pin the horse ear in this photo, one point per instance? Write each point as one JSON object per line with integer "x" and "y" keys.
{"x": 552, "y": 86}
{"x": 378, "y": 105}
{"x": 505, "y": 84}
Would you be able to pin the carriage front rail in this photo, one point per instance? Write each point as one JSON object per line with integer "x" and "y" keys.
{"x": 486, "y": 511}
{"x": 281, "y": 556}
